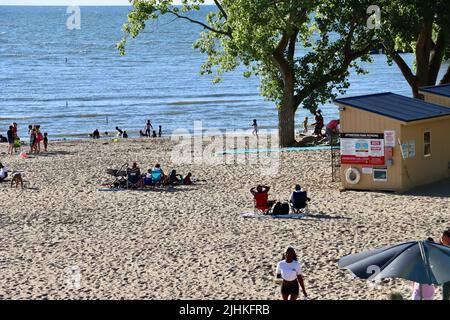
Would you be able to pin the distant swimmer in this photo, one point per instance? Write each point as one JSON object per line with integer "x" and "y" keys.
{"x": 67, "y": 104}
{"x": 66, "y": 60}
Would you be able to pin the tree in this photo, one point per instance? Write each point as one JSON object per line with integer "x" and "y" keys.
{"x": 265, "y": 37}
{"x": 421, "y": 26}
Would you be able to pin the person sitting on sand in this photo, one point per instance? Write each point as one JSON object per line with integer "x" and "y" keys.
{"x": 125, "y": 135}
{"x": 154, "y": 134}
{"x": 290, "y": 270}
{"x": 188, "y": 179}
{"x": 157, "y": 170}
{"x": 261, "y": 195}
{"x": 96, "y": 134}
{"x": 174, "y": 178}
{"x": 3, "y": 172}
{"x": 142, "y": 134}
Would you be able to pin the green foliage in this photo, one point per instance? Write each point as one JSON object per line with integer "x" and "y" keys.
{"x": 248, "y": 32}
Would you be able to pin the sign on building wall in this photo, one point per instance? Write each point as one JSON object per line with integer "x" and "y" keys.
{"x": 362, "y": 148}
{"x": 389, "y": 138}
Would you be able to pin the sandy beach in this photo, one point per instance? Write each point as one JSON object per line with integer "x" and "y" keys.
{"x": 190, "y": 242}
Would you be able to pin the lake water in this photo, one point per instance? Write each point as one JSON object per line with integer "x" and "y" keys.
{"x": 158, "y": 79}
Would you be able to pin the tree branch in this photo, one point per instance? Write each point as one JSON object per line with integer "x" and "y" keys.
{"x": 404, "y": 68}
{"x": 219, "y": 5}
{"x": 300, "y": 96}
{"x": 226, "y": 33}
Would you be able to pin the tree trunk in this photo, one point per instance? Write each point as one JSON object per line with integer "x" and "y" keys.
{"x": 286, "y": 123}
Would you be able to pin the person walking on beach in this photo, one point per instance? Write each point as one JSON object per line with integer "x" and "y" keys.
{"x": 445, "y": 240}
{"x": 160, "y": 131}
{"x": 255, "y": 128}
{"x": 148, "y": 128}
{"x": 290, "y": 270}
{"x": 10, "y": 136}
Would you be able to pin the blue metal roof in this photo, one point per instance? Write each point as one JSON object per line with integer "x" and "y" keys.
{"x": 396, "y": 106}
{"x": 441, "y": 90}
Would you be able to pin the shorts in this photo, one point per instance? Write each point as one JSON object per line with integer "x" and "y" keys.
{"x": 11, "y": 141}
{"x": 290, "y": 288}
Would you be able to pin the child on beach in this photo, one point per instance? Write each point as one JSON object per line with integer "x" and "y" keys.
{"x": 154, "y": 134}
{"x": 33, "y": 140}
{"x": 148, "y": 128}
{"x": 255, "y": 127}
{"x": 39, "y": 138}
{"x": 10, "y": 136}
{"x": 305, "y": 125}
{"x": 45, "y": 141}
{"x": 160, "y": 131}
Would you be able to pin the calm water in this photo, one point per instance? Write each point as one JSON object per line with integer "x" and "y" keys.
{"x": 158, "y": 79}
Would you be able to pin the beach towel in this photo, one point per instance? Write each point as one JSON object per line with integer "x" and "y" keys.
{"x": 280, "y": 216}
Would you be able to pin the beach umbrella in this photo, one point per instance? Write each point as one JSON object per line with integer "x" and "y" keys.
{"x": 423, "y": 262}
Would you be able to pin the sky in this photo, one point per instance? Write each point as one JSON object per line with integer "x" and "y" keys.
{"x": 74, "y": 2}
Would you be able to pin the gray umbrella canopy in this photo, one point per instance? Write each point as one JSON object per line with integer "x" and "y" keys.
{"x": 423, "y": 262}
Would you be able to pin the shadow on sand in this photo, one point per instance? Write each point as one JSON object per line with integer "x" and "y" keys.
{"x": 440, "y": 189}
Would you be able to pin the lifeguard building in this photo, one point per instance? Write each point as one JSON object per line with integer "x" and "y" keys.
{"x": 437, "y": 94}
{"x": 392, "y": 142}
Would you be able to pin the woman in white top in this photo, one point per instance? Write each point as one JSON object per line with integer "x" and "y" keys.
{"x": 290, "y": 271}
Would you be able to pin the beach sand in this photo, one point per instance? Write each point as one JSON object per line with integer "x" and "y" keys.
{"x": 191, "y": 242}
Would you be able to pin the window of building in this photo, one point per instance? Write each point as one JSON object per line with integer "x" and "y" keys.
{"x": 380, "y": 174}
{"x": 427, "y": 144}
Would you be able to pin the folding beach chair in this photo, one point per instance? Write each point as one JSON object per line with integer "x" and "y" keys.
{"x": 262, "y": 203}
{"x": 134, "y": 179}
{"x": 300, "y": 203}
